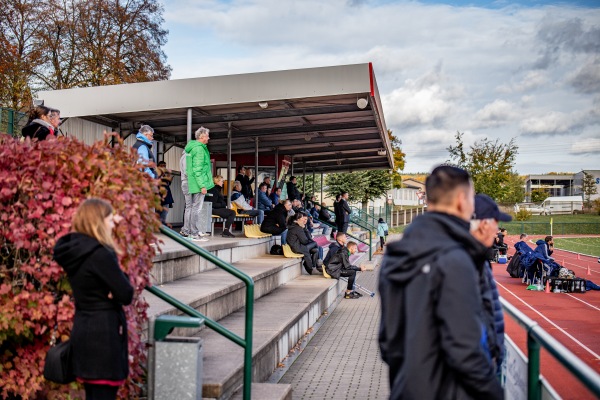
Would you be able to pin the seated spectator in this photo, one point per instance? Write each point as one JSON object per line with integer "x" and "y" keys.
{"x": 264, "y": 203}
{"x": 267, "y": 181}
{"x": 297, "y": 208}
{"x": 275, "y": 221}
{"x": 340, "y": 241}
{"x": 523, "y": 237}
{"x": 301, "y": 244}
{"x": 238, "y": 198}
{"x": 275, "y": 195}
{"x": 326, "y": 228}
{"x": 499, "y": 242}
{"x": 545, "y": 247}
{"x": 219, "y": 205}
{"x": 339, "y": 266}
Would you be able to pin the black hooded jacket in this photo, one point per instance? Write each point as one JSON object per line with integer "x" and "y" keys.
{"x": 432, "y": 332}
{"x": 99, "y": 335}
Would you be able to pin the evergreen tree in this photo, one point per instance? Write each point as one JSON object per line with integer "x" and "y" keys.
{"x": 588, "y": 187}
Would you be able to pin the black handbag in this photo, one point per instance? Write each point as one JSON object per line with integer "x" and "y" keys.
{"x": 59, "y": 367}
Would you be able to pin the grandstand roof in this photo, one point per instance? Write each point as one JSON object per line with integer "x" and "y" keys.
{"x": 313, "y": 114}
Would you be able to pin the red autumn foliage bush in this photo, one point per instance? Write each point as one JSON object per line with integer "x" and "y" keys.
{"x": 41, "y": 185}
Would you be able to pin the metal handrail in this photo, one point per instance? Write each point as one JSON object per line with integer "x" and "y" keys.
{"x": 246, "y": 343}
{"x": 370, "y": 244}
{"x": 537, "y": 336}
{"x": 360, "y": 212}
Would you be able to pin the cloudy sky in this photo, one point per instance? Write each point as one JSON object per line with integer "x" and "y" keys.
{"x": 527, "y": 69}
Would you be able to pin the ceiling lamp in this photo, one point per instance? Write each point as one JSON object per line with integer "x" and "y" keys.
{"x": 263, "y": 104}
{"x": 362, "y": 103}
{"x": 381, "y": 152}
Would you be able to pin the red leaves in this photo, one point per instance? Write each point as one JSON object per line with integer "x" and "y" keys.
{"x": 42, "y": 185}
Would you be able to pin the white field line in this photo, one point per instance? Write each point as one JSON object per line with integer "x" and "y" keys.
{"x": 596, "y": 356}
{"x": 584, "y": 302}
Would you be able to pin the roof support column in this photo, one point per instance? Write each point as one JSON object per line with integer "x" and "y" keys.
{"x": 256, "y": 170}
{"x": 304, "y": 181}
{"x": 276, "y": 177}
{"x": 313, "y": 186}
{"x": 229, "y": 183}
{"x": 189, "y": 125}
{"x": 321, "y": 198}
{"x": 292, "y": 165}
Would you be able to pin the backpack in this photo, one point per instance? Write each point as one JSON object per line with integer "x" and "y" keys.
{"x": 514, "y": 266}
{"x": 276, "y": 250}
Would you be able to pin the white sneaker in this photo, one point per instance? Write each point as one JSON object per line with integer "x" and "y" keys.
{"x": 202, "y": 234}
{"x": 199, "y": 239}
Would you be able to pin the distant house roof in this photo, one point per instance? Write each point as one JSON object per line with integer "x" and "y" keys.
{"x": 413, "y": 184}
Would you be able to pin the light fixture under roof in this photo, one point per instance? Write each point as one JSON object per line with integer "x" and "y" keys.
{"x": 362, "y": 103}
{"x": 263, "y": 104}
{"x": 381, "y": 152}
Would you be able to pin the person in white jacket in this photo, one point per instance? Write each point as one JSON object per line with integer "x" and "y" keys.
{"x": 240, "y": 201}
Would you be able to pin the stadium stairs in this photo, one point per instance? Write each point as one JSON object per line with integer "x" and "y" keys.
{"x": 288, "y": 302}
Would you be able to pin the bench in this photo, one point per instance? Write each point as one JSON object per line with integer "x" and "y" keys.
{"x": 238, "y": 218}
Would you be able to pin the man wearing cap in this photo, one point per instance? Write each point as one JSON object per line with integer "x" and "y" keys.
{"x": 484, "y": 226}
{"x": 433, "y": 335}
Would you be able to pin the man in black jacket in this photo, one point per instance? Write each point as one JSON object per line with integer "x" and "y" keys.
{"x": 275, "y": 222}
{"x": 302, "y": 244}
{"x": 340, "y": 241}
{"x": 292, "y": 190}
{"x": 342, "y": 215}
{"x": 339, "y": 266}
{"x": 432, "y": 332}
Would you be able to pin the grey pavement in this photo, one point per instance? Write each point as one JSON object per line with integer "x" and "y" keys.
{"x": 342, "y": 360}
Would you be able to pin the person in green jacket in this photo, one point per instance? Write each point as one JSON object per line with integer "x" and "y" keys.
{"x": 200, "y": 180}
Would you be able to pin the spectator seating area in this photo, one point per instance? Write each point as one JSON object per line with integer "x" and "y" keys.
{"x": 287, "y": 305}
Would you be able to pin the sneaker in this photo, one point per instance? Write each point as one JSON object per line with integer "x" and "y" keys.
{"x": 351, "y": 295}
{"x": 357, "y": 293}
{"x": 227, "y": 234}
{"x": 198, "y": 239}
{"x": 182, "y": 233}
{"x": 202, "y": 234}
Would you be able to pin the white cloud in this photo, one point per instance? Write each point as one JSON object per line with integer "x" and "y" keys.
{"x": 496, "y": 73}
{"x": 586, "y": 146}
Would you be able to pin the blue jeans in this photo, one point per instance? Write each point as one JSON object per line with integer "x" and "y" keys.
{"x": 284, "y": 237}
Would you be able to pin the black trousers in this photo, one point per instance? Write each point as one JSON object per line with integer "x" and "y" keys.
{"x": 100, "y": 392}
{"x": 225, "y": 213}
{"x": 351, "y": 275}
{"x": 311, "y": 256}
{"x": 382, "y": 241}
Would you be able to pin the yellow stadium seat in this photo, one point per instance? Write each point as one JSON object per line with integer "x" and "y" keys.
{"x": 287, "y": 251}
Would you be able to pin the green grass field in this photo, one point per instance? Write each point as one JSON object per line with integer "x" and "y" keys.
{"x": 583, "y": 245}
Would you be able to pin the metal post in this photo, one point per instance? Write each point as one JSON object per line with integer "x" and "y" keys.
{"x": 11, "y": 122}
{"x": 304, "y": 181}
{"x": 229, "y": 165}
{"x": 533, "y": 369}
{"x": 292, "y": 165}
{"x": 256, "y": 170}
{"x": 313, "y": 185}
{"x": 189, "y": 124}
{"x": 276, "y": 177}
{"x": 321, "y": 187}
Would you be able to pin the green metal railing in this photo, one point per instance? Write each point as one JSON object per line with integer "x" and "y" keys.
{"x": 536, "y": 337}
{"x": 556, "y": 228}
{"x": 11, "y": 121}
{"x": 246, "y": 342}
{"x": 370, "y": 244}
{"x": 363, "y": 218}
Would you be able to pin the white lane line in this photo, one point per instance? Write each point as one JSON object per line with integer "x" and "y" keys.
{"x": 596, "y": 356}
{"x": 578, "y": 299}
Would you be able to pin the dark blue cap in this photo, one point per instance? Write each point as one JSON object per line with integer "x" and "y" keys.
{"x": 486, "y": 207}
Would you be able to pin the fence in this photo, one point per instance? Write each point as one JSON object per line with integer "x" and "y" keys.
{"x": 557, "y": 228}
{"x": 11, "y": 121}
{"x": 404, "y": 217}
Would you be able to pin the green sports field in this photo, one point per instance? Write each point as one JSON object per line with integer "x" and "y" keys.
{"x": 583, "y": 245}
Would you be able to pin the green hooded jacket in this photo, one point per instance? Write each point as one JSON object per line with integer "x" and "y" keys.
{"x": 198, "y": 167}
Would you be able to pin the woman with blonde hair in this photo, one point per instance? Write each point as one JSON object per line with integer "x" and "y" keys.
{"x": 99, "y": 337}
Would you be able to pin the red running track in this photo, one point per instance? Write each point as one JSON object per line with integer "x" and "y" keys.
{"x": 572, "y": 319}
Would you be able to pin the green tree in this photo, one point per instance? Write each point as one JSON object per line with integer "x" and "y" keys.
{"x": 489, "y": 162}
{"x": 538, "y": 195}
{"x": 361, "y": 186}
{"x": 399, "y": 160}
{"x": 588, "y": 187}
{"x": 515, "y": 193}
{"x": 306, "y": 185}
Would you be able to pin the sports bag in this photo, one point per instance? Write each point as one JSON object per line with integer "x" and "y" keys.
{"x": 58, "y": 367}
{"x": 276, "y": 250}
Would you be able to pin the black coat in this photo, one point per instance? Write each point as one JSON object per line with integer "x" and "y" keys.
{"x": 297, "y": 239}
{"x": 340, "y": 262}
{"x": 99, "y": 335}
{"x": 343, "y": 211}
{"x": 215, "y": 195}
{"x": 275, "y": 221}
{"x": 433, "y": 333}
{"x": 35, "y": 130}
{"x": 293, "y": 192}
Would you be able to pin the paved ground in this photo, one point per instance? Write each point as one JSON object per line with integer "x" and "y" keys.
{"x": 342, "y": 360}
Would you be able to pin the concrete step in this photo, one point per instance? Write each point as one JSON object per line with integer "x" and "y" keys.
{"x": 216, "y": 294}
{"x": 267, "y": 391}
{"x": 280, "y": 321}
{"x": 175, "y": 261}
